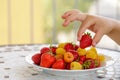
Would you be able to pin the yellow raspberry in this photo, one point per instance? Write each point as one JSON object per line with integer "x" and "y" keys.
{"x": 60, "y": 51}
{"x": 81, "y": 52}
{"x": 58, "y": 56}
{"x": 61, "y": 45}
{"x": 93, "y": 49}
{"x": 101, "y": 57}
{"x": 91, "y": 54}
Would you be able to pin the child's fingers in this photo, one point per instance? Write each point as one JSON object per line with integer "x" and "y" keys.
{"x": 68, "y": 13}
{"x": 97, "y": 38}
{"x": 66, "y": 22}
{"x": 81, "y": 16}
{"x": 73, "y": 17}
{"x": 69, "y": 19}
{"x": 84, "y": 26}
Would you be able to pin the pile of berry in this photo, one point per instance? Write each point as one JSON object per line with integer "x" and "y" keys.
{"x": 69, "y": 56}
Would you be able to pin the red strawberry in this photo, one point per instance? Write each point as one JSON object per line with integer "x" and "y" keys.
{"x": 59, "y": 64}
{"x": 44, "y": 50}
{"x": 82, "y": 58}
{"x": 85, "y": 41}
{"x": 68, "y": 46}
{"x": 76, "y": 47}
{"x": 81, "y": 62}
{"x": 53, "y": 49}
{"x": 36, "y": 58}
{"x": 68, "y": 66}
{"x": 47, "y": 60}
{"x": 75, "y": 54}
{"x": 92, "y": 65}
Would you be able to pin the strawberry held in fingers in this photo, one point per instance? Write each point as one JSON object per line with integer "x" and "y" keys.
{"x": 86, "y": 40}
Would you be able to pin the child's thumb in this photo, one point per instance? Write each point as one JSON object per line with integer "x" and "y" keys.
{"x": 97, "y": 38}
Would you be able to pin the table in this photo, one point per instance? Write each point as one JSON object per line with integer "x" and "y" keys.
{"x": 14, "y": 67}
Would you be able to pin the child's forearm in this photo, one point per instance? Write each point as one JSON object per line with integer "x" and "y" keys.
{"x": 115, "y": 33}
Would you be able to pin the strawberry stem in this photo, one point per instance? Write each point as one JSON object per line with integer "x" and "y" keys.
{"x": 88, "y": 33}
{"x": 51, "y": 48}
{"x": 50, "y": 43}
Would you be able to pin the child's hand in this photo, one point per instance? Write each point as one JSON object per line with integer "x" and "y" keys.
{"x": 73, "y": 15}
{"x": 97, "y": 24}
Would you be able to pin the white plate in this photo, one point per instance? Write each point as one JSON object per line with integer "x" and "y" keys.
{"x": 111, "y": 58}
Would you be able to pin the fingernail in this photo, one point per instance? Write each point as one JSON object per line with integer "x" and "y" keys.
{"x": 78, "y": 38}
{"x": 64, "y": 25}
{"x": 94, "y": 43}
{"x": 63, "y": 17}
